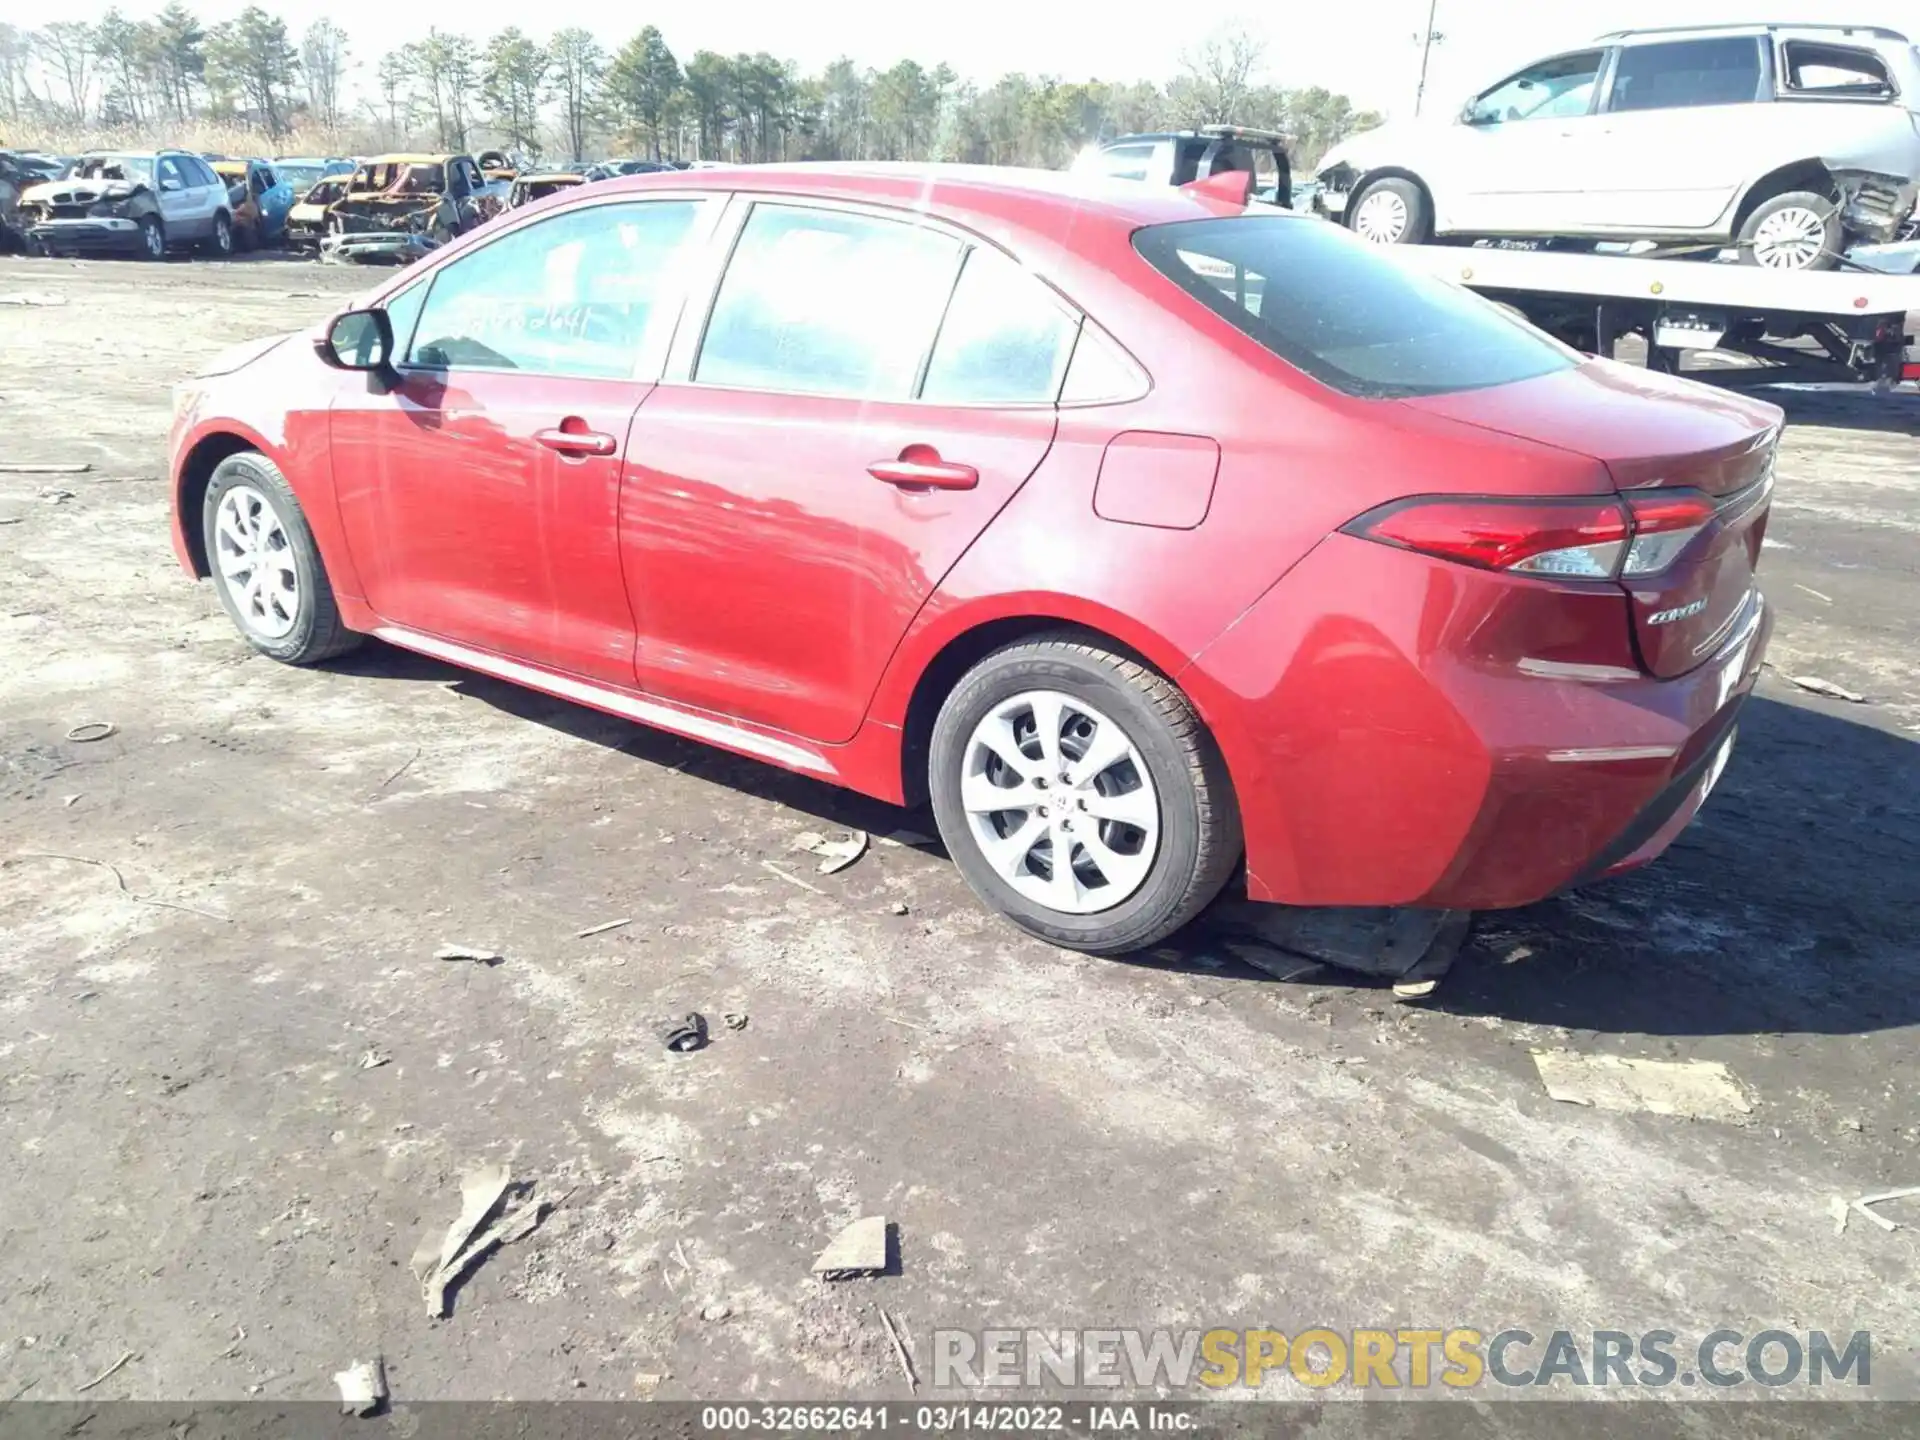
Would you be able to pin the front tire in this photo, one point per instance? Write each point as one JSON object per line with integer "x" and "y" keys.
{"x": 1799, "y": 230}
{"x": 1055, "y": 746}
{"x": 266, "y": 568}
{"x": 153, "y": 239}
{"x": 1391, "y": 212}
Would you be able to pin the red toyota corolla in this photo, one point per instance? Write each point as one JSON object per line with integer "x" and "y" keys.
{"x": 1138, "y": 532}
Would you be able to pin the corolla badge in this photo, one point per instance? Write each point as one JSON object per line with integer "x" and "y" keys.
{"x": 1679, "y": 612}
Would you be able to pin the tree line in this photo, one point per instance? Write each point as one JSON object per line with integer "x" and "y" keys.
{"x": 569, "y": 97}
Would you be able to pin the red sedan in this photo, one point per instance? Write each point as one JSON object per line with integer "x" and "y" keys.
{"x": 1139, "y": 533}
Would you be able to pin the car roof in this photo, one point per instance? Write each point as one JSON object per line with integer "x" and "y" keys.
{"x": 957, "y": 192}
{"x": 408, "y": 157}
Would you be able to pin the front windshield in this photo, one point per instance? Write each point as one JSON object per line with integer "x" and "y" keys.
{"x": 112, "y": 167}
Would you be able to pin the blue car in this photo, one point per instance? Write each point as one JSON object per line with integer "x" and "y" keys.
{"x": 261, "y": 200}
{"x": 303, "y": 172}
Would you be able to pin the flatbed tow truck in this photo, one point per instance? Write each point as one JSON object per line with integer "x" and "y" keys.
{"x": 1856, "y": 318}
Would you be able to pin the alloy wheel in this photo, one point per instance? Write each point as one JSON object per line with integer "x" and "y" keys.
{"x": 256, "y": 563}
{"x": 1059, "y": 801}
{"x": 155, "y": 241}
{"x": 1382, "y": 217}
{"x": 1791, "y": 239}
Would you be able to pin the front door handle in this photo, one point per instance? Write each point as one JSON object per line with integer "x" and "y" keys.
{"x": 577, "y": 442}
{"x": 921, "y": 468}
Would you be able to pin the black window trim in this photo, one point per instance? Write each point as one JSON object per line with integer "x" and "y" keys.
{"x": 1763, "y": 89}
{"x": 704, "y": 292}
{"x": 647, "y": 367}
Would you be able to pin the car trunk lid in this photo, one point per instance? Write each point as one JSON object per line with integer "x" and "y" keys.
{"x": 1694, "y": 464}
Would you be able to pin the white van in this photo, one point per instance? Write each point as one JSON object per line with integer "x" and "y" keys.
{"x": 1791, "y": 141}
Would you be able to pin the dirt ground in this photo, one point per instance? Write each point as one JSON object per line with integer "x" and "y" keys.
{"x": 198, "y": 1170}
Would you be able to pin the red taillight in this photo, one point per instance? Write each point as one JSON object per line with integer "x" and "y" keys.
{"x": 1590, "y": 539}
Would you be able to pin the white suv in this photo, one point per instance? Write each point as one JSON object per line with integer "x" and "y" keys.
{"x": 1791, "y": 141}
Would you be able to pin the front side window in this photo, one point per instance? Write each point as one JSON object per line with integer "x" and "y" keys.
{"x": 824, "y": 303}
{"x": 1005, "y": 339}
{"x": 170, "y": 172}
{"x": 1687, "y": 73}
{"x": 1555, "y": 89}
{"x": 574, "y": 294}
{"x": 261, "y": 179}
{"x": 1343, "y": 310}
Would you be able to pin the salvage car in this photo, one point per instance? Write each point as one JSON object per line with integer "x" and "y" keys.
{"x": 1143, "y": 532}
{"x": 261, "y": 199}
{"x": 399, "y": 207}
{"x": 307, "y": 221}
{"x": 1181, "y": 157}
{"x": 303, "y": 172}
{"x": 528, "y": 188}
{"x": 132, "y": 202}
{"x": 1790, "y": 141}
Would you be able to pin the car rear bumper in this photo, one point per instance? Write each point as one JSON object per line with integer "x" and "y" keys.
{"x": 105, "y": 233}
{"x": 1405, "y": 731}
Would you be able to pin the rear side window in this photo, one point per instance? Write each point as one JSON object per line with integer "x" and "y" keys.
{"x": 820, "y": 302}
{"x": 573, "y": 294}
{"x": 1343, "y": 311}
{"x": 1837, "y": 71}
{"x": 1687, "y": 73}
{"x": 1126, "y": 162}
{"x": 1005, "y": 339}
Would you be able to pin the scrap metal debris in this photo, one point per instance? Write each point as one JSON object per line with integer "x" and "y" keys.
{"x": 88, "y": 731}
{"x": 900, "y": 1351}
{"x": 1867, "y": 1200}
{"x": 121, "y": 881}
{"x": 687, "y": 1033}
{"x": 1837, "y": 1208}
{"x": 835, "y": 855}
{"x": 1697, "y": 1089}
{"x": 374, "y": 1059}
{"x": 791, "y": 878}
{"x": 116, "y": 1366}
{"x": 482, "y": 1193}
{"x": 860, "y": 1249}
{"x": 1832, "y": 691}
{"x": 735, "y": 1019}
{"x": 719, "y": 1310}
{"x": 645, "y": 1382}
{"x": 602, "y": 928}
{"x": 363, "y": 1386}
{"x": 468, "y": 952}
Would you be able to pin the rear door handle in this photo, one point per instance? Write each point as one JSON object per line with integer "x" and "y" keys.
{"x": 927, "y": 474}
{"x": 577, "y": 442}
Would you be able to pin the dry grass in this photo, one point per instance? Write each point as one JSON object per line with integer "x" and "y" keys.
{"x": 199, "y": 136}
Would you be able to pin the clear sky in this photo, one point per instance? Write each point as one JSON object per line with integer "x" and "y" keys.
{"x": 1365, "y": 47}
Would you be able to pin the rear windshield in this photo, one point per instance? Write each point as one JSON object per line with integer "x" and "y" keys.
{"x": 1338, "y": 308}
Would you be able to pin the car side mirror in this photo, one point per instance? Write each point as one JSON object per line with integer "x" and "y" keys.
{"x": 358, "y": 340}
{"x": 169, "y": 184}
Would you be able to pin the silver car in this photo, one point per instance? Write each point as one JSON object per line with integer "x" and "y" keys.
{"x": 1790, "y": 141}
{"x": 133, "y": 201}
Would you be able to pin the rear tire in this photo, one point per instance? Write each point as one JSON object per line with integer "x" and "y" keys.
{"x": 266, "y": 568}
{"x": 1391, "y": 212}
{"x": 1153, "y": 832}
{"x": 220, "y": 242}
{"x": 1799, "y": 230}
